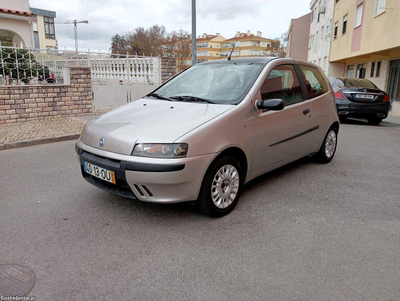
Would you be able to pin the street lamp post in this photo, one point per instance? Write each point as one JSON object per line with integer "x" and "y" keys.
{"x": 194, "y": 60}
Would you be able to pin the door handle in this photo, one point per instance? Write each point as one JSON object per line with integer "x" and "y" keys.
{"x": 306, "y": 111}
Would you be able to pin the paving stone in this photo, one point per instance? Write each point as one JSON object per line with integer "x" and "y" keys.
{"x": 37, "y": 129}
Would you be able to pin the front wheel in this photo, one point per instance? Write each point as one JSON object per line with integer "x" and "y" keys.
{"x": 221, "y": 187}
{"x": 328, "y": 147}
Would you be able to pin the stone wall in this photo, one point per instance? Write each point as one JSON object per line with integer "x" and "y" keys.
{"x": 25, "y": 103}
{"x": 168, "y": 68}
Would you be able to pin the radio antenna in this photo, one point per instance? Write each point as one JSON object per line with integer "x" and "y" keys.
{"x": 229, "y": 57}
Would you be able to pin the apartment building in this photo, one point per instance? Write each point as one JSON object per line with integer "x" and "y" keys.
{"x": 249, "y": 45}
{"x": 297, "y": 37}
{"x": 320, "y": 36}
{"x": 208, "y": 47}
{"x": 366, "y": 40}
{"x": 214, "y": 47}
{"x": 43, "y": 28}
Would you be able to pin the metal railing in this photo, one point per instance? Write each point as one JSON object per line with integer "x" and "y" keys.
{"x": 26, "y": 66}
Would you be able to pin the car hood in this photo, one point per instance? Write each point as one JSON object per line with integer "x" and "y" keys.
{"x": 148, "y": 121}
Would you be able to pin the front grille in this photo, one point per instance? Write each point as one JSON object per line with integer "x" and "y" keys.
{"x": 121, "y": 187}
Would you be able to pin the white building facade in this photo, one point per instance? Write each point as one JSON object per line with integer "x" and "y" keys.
{"x": 16, "y": 23}
{"x": 321, "y": 36}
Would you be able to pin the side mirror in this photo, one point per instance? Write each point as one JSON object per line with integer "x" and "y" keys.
{"x": 275, "y": 104}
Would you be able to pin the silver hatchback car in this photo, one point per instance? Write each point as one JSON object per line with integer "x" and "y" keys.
{"x": 211, "y": 129}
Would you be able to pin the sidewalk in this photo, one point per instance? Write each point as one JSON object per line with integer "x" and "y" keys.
{"x": 29, "y": 133}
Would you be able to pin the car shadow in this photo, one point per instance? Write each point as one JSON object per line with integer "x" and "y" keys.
{"x": 120, "y": 205}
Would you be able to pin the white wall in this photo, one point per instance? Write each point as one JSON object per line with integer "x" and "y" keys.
{"x": 22, "y": 27}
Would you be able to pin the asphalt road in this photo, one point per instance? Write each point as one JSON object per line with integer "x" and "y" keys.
{"x": 304, "y": 232}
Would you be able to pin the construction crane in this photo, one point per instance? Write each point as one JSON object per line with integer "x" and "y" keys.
{"x": 75, "y": 22}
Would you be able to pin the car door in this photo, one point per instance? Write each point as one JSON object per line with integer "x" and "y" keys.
{"x": 282, "y": 135}
{"x": 321, "y": 102}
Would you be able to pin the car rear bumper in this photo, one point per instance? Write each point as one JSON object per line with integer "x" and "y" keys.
{"x": 147, "y": 179}
{"x": 363, "y": 110}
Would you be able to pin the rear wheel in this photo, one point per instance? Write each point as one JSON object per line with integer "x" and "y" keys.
{"x": 374, "y": 121}
{"x": 328, "y": 147}
{"x": 221, "y": 187}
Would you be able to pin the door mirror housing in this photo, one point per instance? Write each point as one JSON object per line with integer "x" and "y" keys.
{"x": 275, "y": 104}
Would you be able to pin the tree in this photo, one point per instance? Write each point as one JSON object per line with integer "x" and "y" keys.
{"x": 178, "y": 47}
{"x": 118, "y": 44}
{"x": 146, "y": 41}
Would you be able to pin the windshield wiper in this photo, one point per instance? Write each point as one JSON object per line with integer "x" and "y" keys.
{"x": 159, "y": 96}
{"x": 192, "y": 98}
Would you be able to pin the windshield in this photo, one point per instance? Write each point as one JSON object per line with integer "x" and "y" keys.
{"x": 213, "y": 83}
{"x": 352, "y": 83}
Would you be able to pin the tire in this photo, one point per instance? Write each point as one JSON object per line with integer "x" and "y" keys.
{"x": 374, "y": 121}
{"x": 328, "y": 147}
{"x": 227, "y": 172}
{"x": 342, "y": 119}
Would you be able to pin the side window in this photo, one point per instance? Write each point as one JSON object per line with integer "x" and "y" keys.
{"x": 316, "y": 84}
{"x": 282, "y": 82}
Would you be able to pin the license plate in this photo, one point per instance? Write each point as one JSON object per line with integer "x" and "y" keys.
{"x": 365, "y": 96}
{"x": 99, "y": 172}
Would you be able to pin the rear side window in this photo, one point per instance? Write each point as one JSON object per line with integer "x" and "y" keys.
{"x": 282, "y": 83}
{"x": 354, "y": 83}
{"x": 316, "y": 84}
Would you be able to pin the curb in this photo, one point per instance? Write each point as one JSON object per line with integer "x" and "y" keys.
{"x": 18, "y": 144}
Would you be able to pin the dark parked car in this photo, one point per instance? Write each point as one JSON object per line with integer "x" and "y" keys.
{"x": 360, "y": 98}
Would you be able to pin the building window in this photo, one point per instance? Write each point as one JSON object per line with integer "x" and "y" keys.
{"x": 49, "y": 28}
{"x": 378, "y": 69}
{"x": 372, "y": 69}
{"x": 312, "y": 15}
{"x": 202, "y": 45}
{"x": 335, "y": 30}
{"x": 344, "y": 25}
{"x": 360, "y": 72}
{"x": 350, "y": 71}
{"x": 318, "y": 17}
{"x": 358, "y": 18}
{"x": 227, "y": 45}
{"x": 322, "y": 32}
{"x": 255, "y": 52}
{"x": 379, "y": 6}
{"x": 202, "y": 53}
{"x": 234, "y": 53}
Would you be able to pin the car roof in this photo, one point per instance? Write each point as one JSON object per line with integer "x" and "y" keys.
{"x": 243, "y": 60}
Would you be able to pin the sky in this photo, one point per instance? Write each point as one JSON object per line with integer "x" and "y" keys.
{"x": 109, "y": 17}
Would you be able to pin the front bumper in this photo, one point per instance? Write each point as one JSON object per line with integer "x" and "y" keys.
{"x": 147, "y": 179}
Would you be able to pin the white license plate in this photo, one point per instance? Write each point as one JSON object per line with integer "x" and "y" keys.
{"x": 365, "y": 96}
{"x": 99, "y": 172}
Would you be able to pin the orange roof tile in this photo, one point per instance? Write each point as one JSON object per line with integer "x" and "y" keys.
{"x": 16, "y": 12}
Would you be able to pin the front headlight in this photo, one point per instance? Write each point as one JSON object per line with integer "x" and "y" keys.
{"x": 161, "y": 150}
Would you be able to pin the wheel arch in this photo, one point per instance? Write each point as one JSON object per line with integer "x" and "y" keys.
{"x": 336, "y": 124}
{"x": 239, "y": 154}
